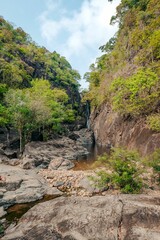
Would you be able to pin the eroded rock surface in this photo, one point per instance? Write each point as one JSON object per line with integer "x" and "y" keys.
{"x": 111, "y": 129}
{"x": 40, "y": 154}
{"x": 114, "y": 217}
{"x": 20, "y": 186}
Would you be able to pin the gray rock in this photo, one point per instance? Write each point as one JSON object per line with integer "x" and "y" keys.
{"x": 58, "y": 184}
{"x": 87, "y": 184}
{"x": 111, "y": 217}
{"x": 66, "y": 165}
{"x": 2, "y": 212}
{"x": 56, "y": 163}
{"x": 52, "y": 153}
{"x": 21, "y": 186}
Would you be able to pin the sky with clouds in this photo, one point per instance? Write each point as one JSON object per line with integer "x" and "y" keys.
{"x": 74, "y": 28}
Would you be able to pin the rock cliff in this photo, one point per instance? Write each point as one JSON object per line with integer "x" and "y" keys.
{"x": 110, "y": 129}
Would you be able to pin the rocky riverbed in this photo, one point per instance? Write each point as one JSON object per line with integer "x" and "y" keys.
{"x": 20, "y": 180}
{"x": 46, "y": 168}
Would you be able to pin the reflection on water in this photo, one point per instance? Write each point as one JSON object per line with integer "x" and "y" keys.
{"x": 15, "y": 212}
{"x": 86, "y": 162}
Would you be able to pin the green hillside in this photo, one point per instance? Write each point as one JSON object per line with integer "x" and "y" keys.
{"x": 38, "y": 89}
{"x": 127, "y": 75}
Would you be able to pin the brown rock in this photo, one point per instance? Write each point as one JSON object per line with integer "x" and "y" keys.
{"x": 110, "y": 129}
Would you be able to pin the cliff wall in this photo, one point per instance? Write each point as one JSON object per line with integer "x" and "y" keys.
{"x": 110, "y": 129}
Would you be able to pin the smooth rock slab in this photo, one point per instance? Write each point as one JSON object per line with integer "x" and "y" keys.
{"x": 21, "y": 186}
{"x": 113, "y": 217}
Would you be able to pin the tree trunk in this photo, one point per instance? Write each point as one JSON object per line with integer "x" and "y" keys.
{"x": 8, "y": 135}
{"x": 20, "y": 139}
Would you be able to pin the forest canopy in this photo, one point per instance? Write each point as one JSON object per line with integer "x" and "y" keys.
{"x": 38, "y": 88}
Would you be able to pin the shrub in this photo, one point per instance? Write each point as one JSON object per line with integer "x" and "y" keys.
{"x": 138, "y": 94}
{"x": 153, "y": 122}
{"x": 124, "y": 171}
{"x": 155, "y": 163}
{"x": 1, "y": 229}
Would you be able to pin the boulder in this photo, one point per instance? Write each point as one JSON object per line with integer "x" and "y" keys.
{"x": 20, "y": 186}
{"x": 111, "y": 217}
{"x": 52, "y": 153}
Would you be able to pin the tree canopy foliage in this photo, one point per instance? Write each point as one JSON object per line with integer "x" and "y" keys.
{"x": 35, "y": 107}
{"x": 38, "y": 88}
{"x": 22, "y": 60}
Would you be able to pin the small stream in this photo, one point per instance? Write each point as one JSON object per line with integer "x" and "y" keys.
{"x": 15, "y": 212}
{"x": 86, "y": 162}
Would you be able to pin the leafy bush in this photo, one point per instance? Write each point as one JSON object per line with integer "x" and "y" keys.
{"x": 124, "y": 171}
{"x": 154, "y": 162}
{"x": 153, "y": 122}
{"x": 139, "y": 94}
{"x": 1, "y": 229}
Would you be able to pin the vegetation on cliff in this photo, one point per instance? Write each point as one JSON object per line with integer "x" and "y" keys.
{"x": 38, "y": 89}
{"x": 121, "y": 171}
{"x": 127, "y": 75}
{"x": 126, "y": 171}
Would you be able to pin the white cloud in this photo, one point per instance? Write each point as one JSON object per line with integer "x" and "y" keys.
{"x": 80, "y": 32}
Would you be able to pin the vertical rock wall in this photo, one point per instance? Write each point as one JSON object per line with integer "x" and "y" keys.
{"x": 111, "y": 129}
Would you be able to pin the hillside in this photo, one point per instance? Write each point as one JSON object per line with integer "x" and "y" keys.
{"x": 22, "y": 60}
{"x": 38, "y": 89}
{"x": 125, "y": 81}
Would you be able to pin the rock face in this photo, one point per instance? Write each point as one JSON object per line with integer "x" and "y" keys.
{"x": 20, "y": 186}
{"x": 123, "y": 217}
{"x": 110, "y": 129}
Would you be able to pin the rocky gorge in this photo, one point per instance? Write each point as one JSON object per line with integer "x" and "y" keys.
{"x": 53, "y": 183}
{"x": 47, "y": 169}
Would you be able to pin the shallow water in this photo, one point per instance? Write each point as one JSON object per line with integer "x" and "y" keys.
{"x": 15, "y": 212}
{"x": 86, "y": 162}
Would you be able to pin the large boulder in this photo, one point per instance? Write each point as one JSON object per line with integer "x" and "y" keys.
{"x": 40, "y": 154}
{"x": 127, "y": 217}
{"x": 20, "y": 186}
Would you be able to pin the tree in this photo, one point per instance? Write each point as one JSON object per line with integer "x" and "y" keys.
{"x": 21, "y": 114}
{"x": 36, "y": 107}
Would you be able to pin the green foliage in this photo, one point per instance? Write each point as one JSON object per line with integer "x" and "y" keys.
{"x": 139, "y": 94}
{"x": 4, "y": 115}
{"x": 36, "y": 107}
{"x": 20, "y": 113}
{"x": 109, "y": 46}
{"x": 125, "y": 173}
{"x": 1, "y": 229}
{"x": 21, "y": 61}
{"x": 154, "y": 162}
{"x": 131, "y": 61}
{"x": 153, "y": 122}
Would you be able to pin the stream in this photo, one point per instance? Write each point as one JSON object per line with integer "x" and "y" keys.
{"x": 86, "y": 162}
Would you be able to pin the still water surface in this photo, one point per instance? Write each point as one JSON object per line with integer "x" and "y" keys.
{"x": 86, "y": 162}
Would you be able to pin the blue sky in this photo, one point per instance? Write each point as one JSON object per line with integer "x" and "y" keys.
{"x": 73, "y": 28}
